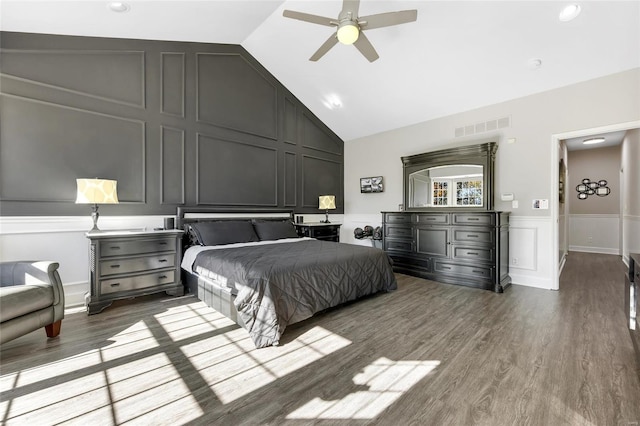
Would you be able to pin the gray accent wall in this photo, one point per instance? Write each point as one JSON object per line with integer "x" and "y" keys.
{"x": 176, "y": 124}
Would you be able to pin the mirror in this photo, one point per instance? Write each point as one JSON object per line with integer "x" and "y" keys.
{"x": 451, "y": 178}
{"x": 447, "y": 186}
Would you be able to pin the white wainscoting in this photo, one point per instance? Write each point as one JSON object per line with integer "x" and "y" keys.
{"x": 594, "y": 233}
{"x": 353, "y": 221}
{"x": 62, "y": 240}
{"x": 530, "y": 254}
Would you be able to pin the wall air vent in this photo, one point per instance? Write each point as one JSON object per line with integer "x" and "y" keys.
{"x": 486, "y": 126}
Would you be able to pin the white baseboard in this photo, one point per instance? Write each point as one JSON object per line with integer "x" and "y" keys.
{"x": 600, "y": 250}
{"x": 74, "y": 293}
{"x": 530, "y": 281}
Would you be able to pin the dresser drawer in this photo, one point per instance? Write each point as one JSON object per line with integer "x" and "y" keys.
{"x": 117, "y": 285}
{"x": 129, "y": 247}
{"x": 397, "y": 218}
{"x": 397, "y": 231}
{"x": 136, "y": 264}
{"x": 470, "y": 253}
{"x": 472, "y": 219}
{"x": 479, "y": 272}
{"x": 432, "y": 219}
{"x": 473, "y": 235}
{"x": 398, "y": 245}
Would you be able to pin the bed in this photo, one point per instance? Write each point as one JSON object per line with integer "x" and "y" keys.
{"x": 253, "y": 268}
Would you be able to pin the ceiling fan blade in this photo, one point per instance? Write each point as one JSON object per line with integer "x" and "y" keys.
{"x": 307, "y": 17}
{"x": 366, "y": 48}
{"x": 387, "y": 19}
{"x": 350, "y": 6}
{"x": 326, "y": 46}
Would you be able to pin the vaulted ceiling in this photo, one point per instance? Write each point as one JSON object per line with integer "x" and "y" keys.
{"x": 457, "y": 56}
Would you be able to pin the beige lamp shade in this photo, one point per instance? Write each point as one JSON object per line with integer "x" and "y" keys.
{"x": 96, "y": 191}
{"x": 327, "y": 202}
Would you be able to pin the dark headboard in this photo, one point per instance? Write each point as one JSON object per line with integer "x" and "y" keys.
{"x": 187, "y": 215}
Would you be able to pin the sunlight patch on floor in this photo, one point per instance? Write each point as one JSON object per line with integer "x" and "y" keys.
{"x": 154, "y": 391}
{"x": 234, "y": 368}
{"x": 49, "y": 370}
{"x": 200, "y": 320}
{"x": 68, "y": 400}
{"x": 386, "y": 380}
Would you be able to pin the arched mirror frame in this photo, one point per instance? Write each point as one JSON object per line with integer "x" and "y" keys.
{"x": 480, "y": 154}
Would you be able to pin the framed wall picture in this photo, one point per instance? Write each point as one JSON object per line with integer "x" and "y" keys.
{"x": 371, "y": 184}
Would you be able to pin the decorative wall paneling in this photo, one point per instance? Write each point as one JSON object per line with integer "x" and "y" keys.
{"x": 174, "y": 123}
{"x": 595, "y": 233}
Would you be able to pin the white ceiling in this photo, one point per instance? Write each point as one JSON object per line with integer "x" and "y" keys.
{"x": 457, "y": 56}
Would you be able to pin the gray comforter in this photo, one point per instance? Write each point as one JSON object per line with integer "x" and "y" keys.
{"x": 281, "y": 284}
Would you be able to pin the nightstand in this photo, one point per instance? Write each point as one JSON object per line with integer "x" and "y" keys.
{"x": 127, "y": 264}
{"x": 320, "y": 231}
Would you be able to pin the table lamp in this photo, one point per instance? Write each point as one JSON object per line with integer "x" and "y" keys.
{"x": 96, "y": 191}
{"x": 326, "y": 202}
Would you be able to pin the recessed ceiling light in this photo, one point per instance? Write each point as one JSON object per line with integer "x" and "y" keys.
{"x": 534, "y": 63}
{"x": 570, "y": 12}
{"x": 118, "y": 6}
{"x": 593, "y": 141}
{"x": 332, "y": 102}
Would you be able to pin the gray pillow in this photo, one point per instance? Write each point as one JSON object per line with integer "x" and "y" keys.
{"x": 224, "y": 232}
{"x": 275, "y": 230}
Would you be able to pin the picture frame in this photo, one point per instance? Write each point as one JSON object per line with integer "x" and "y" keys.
{"x": 371, "y": 184}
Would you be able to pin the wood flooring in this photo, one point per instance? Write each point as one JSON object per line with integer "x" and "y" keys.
{"x": 426, "y": 354}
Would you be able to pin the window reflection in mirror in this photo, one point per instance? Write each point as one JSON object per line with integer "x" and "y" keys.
{"x": 459, "y": 185}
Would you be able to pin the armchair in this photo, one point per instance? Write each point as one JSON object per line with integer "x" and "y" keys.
{"x": 31, "y": 296}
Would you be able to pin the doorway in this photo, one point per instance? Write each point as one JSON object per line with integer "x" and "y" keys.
{"x": 556, "y": 141}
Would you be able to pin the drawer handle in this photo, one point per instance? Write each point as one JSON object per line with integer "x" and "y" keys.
{"x": 115, "y": 266}
{"x": 114, "y": 284}
{"x": 163, "y": 243}
{"x": 477, "y": 272}
{"x": 431, "y": 218}
{"x": 162, "y": 260}
{"x": 473, "y": 253}
{"x": 115, "y": 247}
{"x": 472, "y": 236}
{"x": 446, "y": 267}
{"x": 473, "y": 218}
{"x": 162, "y": 277}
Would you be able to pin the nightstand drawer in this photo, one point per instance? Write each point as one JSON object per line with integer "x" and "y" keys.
{"x": 117, "y": 285}
{"x": 137, "y": 264}
{"x": 324, "y": 231}
{"x": 129, "y": 247}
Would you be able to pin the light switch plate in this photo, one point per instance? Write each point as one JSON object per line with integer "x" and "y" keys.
{"x": 514, "y": 204}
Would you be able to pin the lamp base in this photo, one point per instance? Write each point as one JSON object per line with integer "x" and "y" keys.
{"x": 94, "y": 216}
{"x": 326, "y": 217}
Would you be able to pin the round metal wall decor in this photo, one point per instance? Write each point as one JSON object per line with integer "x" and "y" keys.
{"x": 589, "y": 187}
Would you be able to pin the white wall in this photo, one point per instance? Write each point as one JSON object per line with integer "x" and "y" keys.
{"x": 522, "y": 167}
{"x": 631, "y": 190}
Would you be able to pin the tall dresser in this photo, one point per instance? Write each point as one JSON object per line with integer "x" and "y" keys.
{"x": 468, "y": 248}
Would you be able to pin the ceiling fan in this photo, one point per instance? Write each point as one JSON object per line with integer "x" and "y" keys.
{"x": 350, "y": 27}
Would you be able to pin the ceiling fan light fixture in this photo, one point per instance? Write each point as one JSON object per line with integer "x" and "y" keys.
{"x": 348, "y": 32}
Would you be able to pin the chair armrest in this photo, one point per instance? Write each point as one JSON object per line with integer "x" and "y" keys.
{"x": 33, "y": 272}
